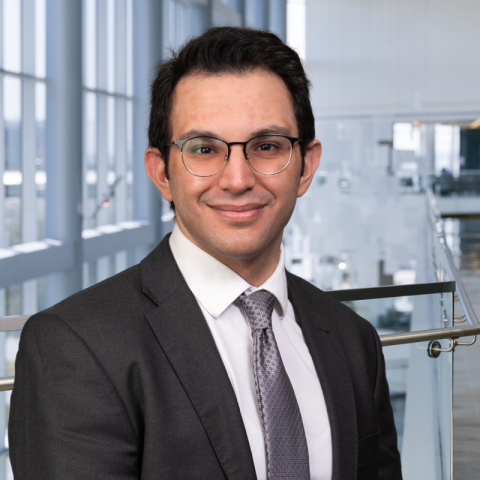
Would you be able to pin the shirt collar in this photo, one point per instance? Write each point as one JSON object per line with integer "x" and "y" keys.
{"x": 215, "y": 285}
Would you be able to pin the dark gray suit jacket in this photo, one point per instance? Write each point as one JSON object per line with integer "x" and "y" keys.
{"x": 124, "y": 381}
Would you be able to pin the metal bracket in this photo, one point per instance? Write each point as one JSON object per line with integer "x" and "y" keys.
{"x": 435, "y": 348}
{"x": 465, "y": 344}
{"x": 459, "y": 318}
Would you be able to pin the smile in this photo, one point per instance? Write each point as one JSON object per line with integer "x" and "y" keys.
{"x": 239, "y": 213}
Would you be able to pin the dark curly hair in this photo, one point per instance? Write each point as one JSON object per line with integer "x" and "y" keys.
{"x": 236, "y": 51}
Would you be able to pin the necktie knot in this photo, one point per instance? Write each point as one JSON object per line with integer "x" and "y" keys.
{"x": 258, "y": 307}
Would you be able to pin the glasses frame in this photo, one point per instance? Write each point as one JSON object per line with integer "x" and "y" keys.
{"x": 181, "y": 143}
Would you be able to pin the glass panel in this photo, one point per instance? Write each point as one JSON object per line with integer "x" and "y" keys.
{"x": 40, "y": 166}
{"x": 406, "y": 314}
{"x": 13, "y": 296}
{"x": 463, "y": 184}
{"x": 129, "y": 173}
{"x": 12, "y": 176}
{"x": 111, "y": 168}
{"x": 12, "y": 35}
{"x": 90, "y": 179}
{"x": 422, "y": 401}
{"x": 420, "y": 386}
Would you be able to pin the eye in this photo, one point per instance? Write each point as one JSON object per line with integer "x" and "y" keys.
{"x": 199, "y": 148}
{"x": 266, "y": 147}
{"x": 205, "y": 150}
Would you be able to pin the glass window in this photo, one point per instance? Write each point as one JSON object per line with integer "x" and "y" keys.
{"x": 12, "y": 44}
{"x": 108, "y": 122}
{"x": 12, "y": 174}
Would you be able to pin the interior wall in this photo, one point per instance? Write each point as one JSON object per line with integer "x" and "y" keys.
{"x": 393, "y": 57}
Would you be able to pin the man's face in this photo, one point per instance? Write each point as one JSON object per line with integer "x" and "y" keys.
{"x": 237, "y": 213}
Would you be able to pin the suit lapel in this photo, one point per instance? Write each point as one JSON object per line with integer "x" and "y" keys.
{"x": 317, "y": 321}
{"x": 183, "y": 333}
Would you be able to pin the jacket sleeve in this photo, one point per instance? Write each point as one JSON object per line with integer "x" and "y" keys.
{"x": 66, "y": 418}
{"x": 389, "y": 457}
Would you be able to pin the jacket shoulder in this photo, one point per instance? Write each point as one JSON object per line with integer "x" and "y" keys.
{"x": 110, "y": 300}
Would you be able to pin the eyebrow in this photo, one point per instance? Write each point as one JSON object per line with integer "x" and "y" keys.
{"x": 269, "y": 130}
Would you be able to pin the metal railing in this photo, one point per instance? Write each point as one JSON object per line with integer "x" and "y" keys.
{"x": 453, "y": 333}
{"x": 412, "y": 290}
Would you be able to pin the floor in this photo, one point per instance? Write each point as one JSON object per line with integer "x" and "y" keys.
{"x": 466, "y": 409}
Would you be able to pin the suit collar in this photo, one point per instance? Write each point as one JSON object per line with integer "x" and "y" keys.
{"x": 214, "y": 285}
{"x": 317, "y": 316}
{"x": 184, "y": 336}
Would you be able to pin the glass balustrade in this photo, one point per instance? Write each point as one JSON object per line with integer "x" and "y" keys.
{"x": 464, "y": 184}
{"x": 421, "y": 387}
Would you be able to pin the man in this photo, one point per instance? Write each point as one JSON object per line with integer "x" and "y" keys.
{"x": 208, "y": 360}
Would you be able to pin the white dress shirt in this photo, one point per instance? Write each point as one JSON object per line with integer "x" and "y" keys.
{"x": 216, "y": 287}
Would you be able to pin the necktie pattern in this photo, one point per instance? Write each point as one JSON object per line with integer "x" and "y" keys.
{"x": 285, "y": 441}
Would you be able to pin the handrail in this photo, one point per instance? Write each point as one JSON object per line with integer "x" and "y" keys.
{"x": 10, "y": 324}
{"x": 389, "y": 291}
{"x": 6, "y": 383}
{"x": 426, "y": 335}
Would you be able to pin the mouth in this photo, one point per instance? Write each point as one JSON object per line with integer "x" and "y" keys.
{"x": 239, "y": 213}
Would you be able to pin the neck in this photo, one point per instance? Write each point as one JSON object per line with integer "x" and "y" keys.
{"x": 255, "y": 270}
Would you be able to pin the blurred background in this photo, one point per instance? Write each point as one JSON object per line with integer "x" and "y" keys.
{"x": 397, "y": 108}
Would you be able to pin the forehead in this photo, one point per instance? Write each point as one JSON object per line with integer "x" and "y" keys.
{"x": 232, "y": 104}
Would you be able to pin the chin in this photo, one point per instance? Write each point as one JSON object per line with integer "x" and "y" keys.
{"x": 240, "y": 247}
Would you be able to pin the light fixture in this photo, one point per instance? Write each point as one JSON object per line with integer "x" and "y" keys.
{"x": 91, "y": 177}
{"x": 12, "y": 177}
{"x": 342, "y": 265}
{"x": 475, "y": 123}
{"x": 40, "y": 178}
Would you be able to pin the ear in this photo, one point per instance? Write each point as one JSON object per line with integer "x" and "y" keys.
{"x": 312, "y": 160}
{"x": 155, "y": 168}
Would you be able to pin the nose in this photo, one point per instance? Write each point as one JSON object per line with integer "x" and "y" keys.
{"x": 237, "y": 176}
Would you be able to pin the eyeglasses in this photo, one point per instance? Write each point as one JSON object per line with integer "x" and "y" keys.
{"x": 206, "y": 156}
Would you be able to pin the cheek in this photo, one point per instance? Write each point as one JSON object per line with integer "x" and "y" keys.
{"x": 284, "y": 186}
{"x": 187, "y": 189}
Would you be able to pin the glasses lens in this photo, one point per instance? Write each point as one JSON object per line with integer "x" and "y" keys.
{"x": 269, "y": 154}
{"x": 204, "y": 156}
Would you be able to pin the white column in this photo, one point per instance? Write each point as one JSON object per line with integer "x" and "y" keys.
{"x": 120, "y": 199}
{"x": 200, "y": 19}
{"x": 29, "y": 193}
{"x": 64, "y": 139}
{"x": 147, "y": 51}
{"x": 102, "y": 125}
{"x": 277, "y": 18}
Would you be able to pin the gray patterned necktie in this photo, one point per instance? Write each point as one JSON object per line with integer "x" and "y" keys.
{"x": 285, "y": 441}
